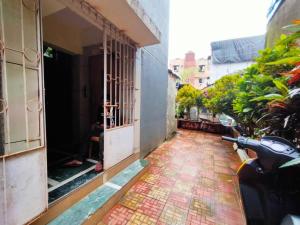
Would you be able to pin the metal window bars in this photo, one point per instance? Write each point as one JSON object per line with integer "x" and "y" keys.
{"x": 119, "y": 63}
{"x": 21, "y": 97}
{"x": 21, "y": 80}
{"x": 119, "y": 51}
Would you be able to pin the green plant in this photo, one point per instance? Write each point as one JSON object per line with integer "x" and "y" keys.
{"x": 266, "y": 97}
{"x": 219, "y": 98}
{"x": 199, "y": 101}
{"x": 179, "y": 111}
{"x": 186, "y": 98}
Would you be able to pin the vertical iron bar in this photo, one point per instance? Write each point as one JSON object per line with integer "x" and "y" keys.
{"x": 2, "y": 115}
{"x": 127, "y": 83}
{"x": 115, "y": 80}
{"x": 110, "y": 81}
{"x": 24, "y": 76}
{"x": 123, "y": 82}
{"x": 105, "y": 78}
{"x": 40, "y": 76}
{"x": 5, "y": 90}
{"x": 133, "y": 84}
{"x": 128, "y": 86}
{"x": 120, "y": 81}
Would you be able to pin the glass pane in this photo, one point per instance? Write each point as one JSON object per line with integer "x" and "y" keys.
{"x": 12, "y": 23}
{"x": 34, "y": 108}
{"x": 16, "y": 107}
{"x": 30, "y": 34}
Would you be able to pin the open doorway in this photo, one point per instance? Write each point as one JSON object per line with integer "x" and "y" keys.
{"x": 72, "y": 158}
{"x": 58, "y": 85}
{"x": 74, "y": 97}
{"x": 88, "y": 73}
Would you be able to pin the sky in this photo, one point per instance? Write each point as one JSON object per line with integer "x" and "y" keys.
{"x": 194, "y": 24}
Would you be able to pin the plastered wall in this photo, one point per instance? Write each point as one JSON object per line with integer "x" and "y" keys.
{"x": 154, "y": 80}
{"x": 59, "y": 34}
{"x": 289, "y": 10}
{"x": 171, "y": 98}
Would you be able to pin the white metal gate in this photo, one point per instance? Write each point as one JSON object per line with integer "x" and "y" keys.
{"x": 119, "y": 70}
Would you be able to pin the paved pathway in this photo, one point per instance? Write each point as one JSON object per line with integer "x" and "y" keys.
{"x": 190, "y": 181}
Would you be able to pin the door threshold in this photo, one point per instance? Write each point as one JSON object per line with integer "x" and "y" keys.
{"x": 63, "y": 180}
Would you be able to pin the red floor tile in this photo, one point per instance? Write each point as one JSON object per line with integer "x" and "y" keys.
{"x": 191, "y": 180}
{"x": 151, "y": 207}
{"x": 118, "y": 215}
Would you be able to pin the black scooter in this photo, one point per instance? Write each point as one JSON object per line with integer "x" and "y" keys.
{"x": 270, "y": 194}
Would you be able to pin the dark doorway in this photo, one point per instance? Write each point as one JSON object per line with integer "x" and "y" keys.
{"x": 63, "y": 100}
{"x": 96, "y": 71}
{"x": 58, "y": 88}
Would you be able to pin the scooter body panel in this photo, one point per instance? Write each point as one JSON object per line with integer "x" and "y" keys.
{"x": 268, "y": 192}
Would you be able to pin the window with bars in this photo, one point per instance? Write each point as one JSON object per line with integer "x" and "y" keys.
{"x": 120, "y": 67}
{"x": 21, "y": 108}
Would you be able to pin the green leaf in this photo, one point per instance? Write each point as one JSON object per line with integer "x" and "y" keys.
{"x": 281, "y": 87}
{"x": 293, "y": 162}
{"x": 290, "y": 60}
{"x": 247, "y": 110}
{"x": 268, "y": 97}
{"x": 283, "y": 37}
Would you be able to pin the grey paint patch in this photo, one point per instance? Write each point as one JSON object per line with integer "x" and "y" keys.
{"x": 153, "y": 103}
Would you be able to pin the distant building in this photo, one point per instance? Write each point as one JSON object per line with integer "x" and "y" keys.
{"x": 189, "y": 60}
{"x": 199, "y": 69}
{"x": 204, "y": 65}
{"x": 231, "y": 56}
{"x": 176, "y": 65}
{"x": 281, "y": 13}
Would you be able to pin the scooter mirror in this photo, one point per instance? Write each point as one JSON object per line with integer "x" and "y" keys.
{"x": 227, "y": 121}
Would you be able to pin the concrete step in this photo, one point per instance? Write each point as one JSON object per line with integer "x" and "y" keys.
{"x": 91, "y": 209}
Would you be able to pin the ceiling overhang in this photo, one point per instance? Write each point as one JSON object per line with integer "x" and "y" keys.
{"x": 129, "y": 17}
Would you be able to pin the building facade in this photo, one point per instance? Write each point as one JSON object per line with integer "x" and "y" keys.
{"x": 281, "y": 14}
{"x": 68, "y": 66}
{"x": 195, "y": 72}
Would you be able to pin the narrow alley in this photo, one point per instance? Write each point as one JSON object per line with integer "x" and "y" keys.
{"x": 191, "y": 180}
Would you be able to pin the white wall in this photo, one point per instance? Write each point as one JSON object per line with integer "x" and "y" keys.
{"x": 219, "y": 70}
{"x": 171, "y": 104}
{"x": 118, "y": 145}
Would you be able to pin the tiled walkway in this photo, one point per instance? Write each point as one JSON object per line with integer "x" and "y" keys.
{"x": 190, "y": 181}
